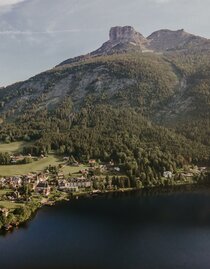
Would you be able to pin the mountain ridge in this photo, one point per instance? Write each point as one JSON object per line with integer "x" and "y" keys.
{"x": 124, "y": 39}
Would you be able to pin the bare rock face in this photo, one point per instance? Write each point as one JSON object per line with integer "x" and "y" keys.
{"x": 159, "y": 41}
{"x": 125, "y": 34}
{"x": 127, "y": 39}
{"x": 122, "y": 39}
{"x": 165, "y": 40}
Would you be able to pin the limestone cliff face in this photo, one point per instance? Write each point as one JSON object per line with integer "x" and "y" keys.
{"x": 122, "y": 39}
{"x": 165, "y": 40}
{"x": 126, "y": 34}
{"x": 162, "y": 40}
{"x": 127, "y": 39}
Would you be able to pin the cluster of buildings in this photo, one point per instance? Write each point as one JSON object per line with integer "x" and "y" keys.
{"x": 190, "y": 172}
{"x": 74, "y": 184}
{"x": 18, "y": 181}
{"x": 42, "y": 183}
{"x": 33, "y": 180}
{"x": 16, "y": 159}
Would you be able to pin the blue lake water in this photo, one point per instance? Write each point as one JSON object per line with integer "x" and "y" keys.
{"x": 127, "y": 231}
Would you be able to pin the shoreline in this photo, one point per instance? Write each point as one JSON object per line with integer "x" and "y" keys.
{"x": 90, "y": 194}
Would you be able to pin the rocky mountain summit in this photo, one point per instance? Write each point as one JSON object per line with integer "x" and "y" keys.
{"x": 165, "y": 40}
{"x": 122, "y": 38}
{"x": 123, "y": 73}
{"x": 127, "y": 39}
{"x": 125, "y": 34}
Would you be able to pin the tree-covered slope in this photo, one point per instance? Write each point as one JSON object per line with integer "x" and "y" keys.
{"x": 115, "y": 105}
{"x": 188, "y": 110}
{"x": 142, "y": 80}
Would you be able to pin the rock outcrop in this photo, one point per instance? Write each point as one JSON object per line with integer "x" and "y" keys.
{"x": 126, "y": 34}
{"x": 122, "y": 39}
{"x": 127, "y": 39}
{"x": 165, "y": 40}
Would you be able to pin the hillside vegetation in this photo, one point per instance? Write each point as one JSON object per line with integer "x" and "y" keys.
{"x": 148, "y": 112}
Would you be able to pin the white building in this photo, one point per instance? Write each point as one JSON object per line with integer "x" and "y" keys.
{"x": 167, "y": 174}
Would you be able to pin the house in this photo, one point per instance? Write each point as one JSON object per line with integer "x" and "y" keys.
{"x": 92, "y": 162}
{"x": 84, "y": 172}
{"x": 2, "y": 182}
{"x": 117, "y": 169}
{"x": 167, "y": 174}
{"x": 15, "y": 182}
{"x": 103, "y": 168}
{"x": 111, "y": 163}
{"x": 4, "y": 212}
{"x": 110, "y": 166}
{"x": 62, "y": 185}
{"x": 16, "y": 159}
{"x": 81, "y": 182}
{"x": 43, "y": 188}
{"x": 202, "y": 168}
{"x": 67, "y": 186}
{"x": 72, "y": 189}
{"x": 42, "y": 178}
{"x": 60, "y": 176}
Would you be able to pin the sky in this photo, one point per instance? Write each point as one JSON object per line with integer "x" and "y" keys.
{"x": 36, "y": 35}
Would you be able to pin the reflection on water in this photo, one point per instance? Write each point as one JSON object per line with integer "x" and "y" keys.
{"x": 139, "y": 230}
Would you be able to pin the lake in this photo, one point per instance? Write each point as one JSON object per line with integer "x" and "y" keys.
{"x": 138, "y": 230}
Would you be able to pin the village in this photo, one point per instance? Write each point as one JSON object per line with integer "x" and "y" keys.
{"x": 58, "y": 183}
{"x": 51, "y": 185}
{"x": 52, "y": 177}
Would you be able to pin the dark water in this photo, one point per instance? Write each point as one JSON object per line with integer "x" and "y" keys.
{"x": 127, "y": 231}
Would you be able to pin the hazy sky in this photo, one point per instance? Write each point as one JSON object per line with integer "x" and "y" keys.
{"x": 35, "y": 35}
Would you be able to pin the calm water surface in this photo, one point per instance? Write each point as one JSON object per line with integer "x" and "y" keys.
{"x": 126, "y": 231}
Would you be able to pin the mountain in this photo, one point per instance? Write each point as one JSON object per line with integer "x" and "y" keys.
{"x": 126, "y": 39}
{"x": 159, "y": 84}
{"x": 165, "y": 40}
{"x": 121, "y": 40}
{"x": 132, "y": 97}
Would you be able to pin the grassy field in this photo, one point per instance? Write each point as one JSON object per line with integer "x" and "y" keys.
{"x": 13, "y": 147}
{"x": 4, "y": 191}
{"x": 7, "y": 204}
{"x": 73, "y": 169}
{"x": 40, "y": 165}
{"x": 23, "y": 169}
{"x": 10, "y": 205}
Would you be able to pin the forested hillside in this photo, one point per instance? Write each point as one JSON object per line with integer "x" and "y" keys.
{"x": 148, "y": 111}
